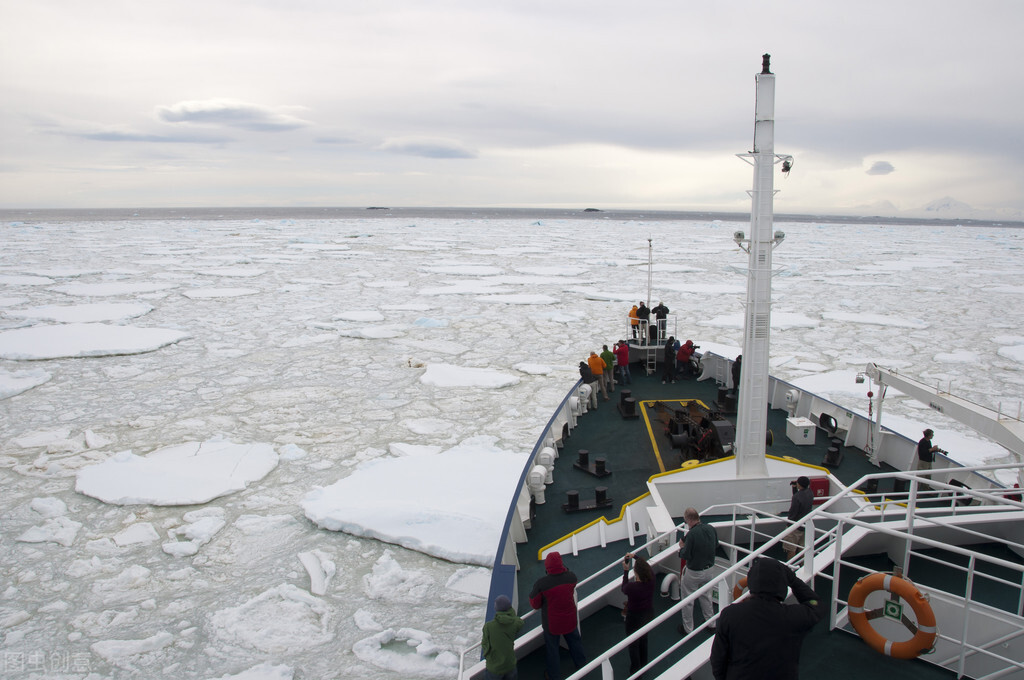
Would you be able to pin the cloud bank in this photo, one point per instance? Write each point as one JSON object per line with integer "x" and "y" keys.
{"x": 229, "y": 113}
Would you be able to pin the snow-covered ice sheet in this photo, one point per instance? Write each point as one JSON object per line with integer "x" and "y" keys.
{"x": 83, "y": 340}
{"x": 437, "y": 503}
{"x": 186, "y": 474}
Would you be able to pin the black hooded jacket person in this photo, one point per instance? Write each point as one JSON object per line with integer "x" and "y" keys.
{"x": 759, "y": 638}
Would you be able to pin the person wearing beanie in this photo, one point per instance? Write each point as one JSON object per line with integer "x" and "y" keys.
{"x": 759, "y": 638}
{"x": 498, "y": 642}
{"x": 590, "y": 380}
{"x": 555, "y": 595}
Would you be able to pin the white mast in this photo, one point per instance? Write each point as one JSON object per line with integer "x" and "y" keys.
{"x": 650, "y": 269}
{"x": 752, "y": 413}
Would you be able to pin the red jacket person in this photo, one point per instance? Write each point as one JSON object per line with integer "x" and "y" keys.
{"x": 555, "y": 595}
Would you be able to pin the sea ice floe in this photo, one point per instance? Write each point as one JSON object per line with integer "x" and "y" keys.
{"x": 110, "y": 311}
{"x": 429, "y": 661}
{"x": 963, "y": 357}
{"x": 779, "y": 320}
{"x": 446, "y": 375}
{"x": 465, "y": 269}
{"x": 327, "y": 247}
{"x": 16, "y": 280}
{"x": 185, "y": 474}
{"x": 321, "y": 569}
{"x": 519, "y": 299}
{"x": 451, "y": 517}
{"x": 263, "y": 671}
{"x": 307, "y": 340}
{"x": 212, "y": 293}
{"x": 115, "y": 651}
{"x": 364, "y": 620}
{"x": 565, "y": 270}
{"x": 60, "y": 530}
{"x": 472, "y": 581}
{"x": 142, "y": 532}
{"x": 427, "y": 426}
{"x": 240, "y": 272}
{"x": 49, "y": 507}
{"x": 282, "y": 619}
{"x": 360, "y": 315}
{"x": 603, "y": 296}
{"x": 467, "y": 288}
{"x": 872, "y": 319}
{"x": 133, "y": 578}
{"x": 691, "y": 288}
{"x": 372, "y": 333}
{"x": 404, "y": 449}
{"x": 1015, "y": 352}
{"x": 534, "y": 369}
{"x": 427, "y": 322}
{"x": 83, "y": 340}
{"x": 110, "y": 289}
{"x": 200, "y": 528}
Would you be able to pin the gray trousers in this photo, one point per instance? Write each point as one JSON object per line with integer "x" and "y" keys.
{"x": 693, "y": 580}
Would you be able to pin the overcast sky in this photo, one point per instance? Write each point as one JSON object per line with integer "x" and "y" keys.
{"x": 886, "y": 106}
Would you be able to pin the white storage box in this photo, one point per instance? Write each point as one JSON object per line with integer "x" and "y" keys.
{"x": 800, "y": 431}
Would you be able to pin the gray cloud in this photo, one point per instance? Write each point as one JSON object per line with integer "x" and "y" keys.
{"x": 428, "y": 147}
{"x": 230, "y": 113}
{"x": 105, "y": 133}
{"x": 881, "y": 168}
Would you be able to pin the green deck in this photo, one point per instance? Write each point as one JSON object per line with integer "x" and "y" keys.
{"x": 628, "y": 446}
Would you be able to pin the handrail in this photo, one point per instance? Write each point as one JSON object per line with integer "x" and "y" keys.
{"x": 870, "y": 514}
{"x": 951, "y": 464}
{"x": 819, "y": 513}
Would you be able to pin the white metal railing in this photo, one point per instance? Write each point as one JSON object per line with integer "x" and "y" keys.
{"x": 824, "y": 547}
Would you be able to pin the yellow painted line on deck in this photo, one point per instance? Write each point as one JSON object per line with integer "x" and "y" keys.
{"x": 622, "y": 515}
{"x": 650, "y": 431}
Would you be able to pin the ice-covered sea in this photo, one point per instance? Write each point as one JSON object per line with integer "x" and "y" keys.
{"x": 283, "y": 448}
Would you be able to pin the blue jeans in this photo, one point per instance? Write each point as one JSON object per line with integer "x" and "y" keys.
{"x": 552, "y": 653}
{"x": 624, "y": 377}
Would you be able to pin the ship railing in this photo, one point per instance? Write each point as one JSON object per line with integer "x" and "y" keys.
{"x": 823, "y": 548}
{"x": 505, "y": 560}
{"x": 988, "y": 641}
{"x": 855, "y": 429}
{"x": 819, "y": 539}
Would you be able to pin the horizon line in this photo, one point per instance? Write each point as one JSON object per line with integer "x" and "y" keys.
{"x": 624, "y": 213}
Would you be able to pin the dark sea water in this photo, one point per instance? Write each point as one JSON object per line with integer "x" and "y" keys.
{"x": 329, "y": 213}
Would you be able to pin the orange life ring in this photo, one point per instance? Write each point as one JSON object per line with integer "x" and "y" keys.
{"x": 924, "y": 631}
{"x": 738, "y": 589}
